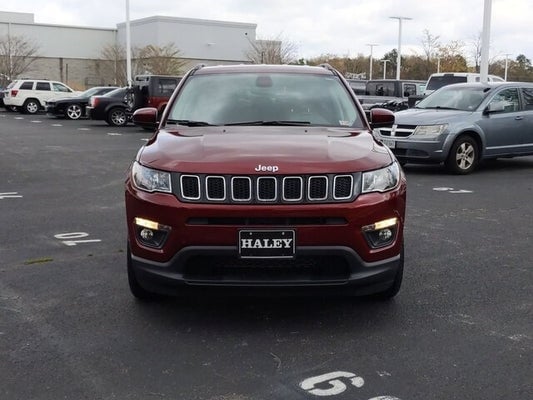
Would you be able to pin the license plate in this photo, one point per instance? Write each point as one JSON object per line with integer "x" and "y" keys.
{"x": 266, "y": 244}
{"x": 391, "y": 144}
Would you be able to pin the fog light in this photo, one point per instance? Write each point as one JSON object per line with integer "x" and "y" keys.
{"x": 385, "y": 235}
{"x": 151, "y": 233}
{"x": 381, "y": 233}
{"x": 147, "y": 234}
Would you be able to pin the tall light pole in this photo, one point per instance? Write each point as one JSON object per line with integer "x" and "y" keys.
{"x": 399, "y": 59}
{"x": 485, "y": 41}
{"x": 506, "y": 65}
{"x": 128, "y": 44}
{"x": 385, "y": 68}
{"x": 372, "y": 45}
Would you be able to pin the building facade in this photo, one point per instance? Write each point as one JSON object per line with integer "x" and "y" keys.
{"x": 74, "y": 55}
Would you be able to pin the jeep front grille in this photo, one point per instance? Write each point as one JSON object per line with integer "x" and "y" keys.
{"x": 278, "y": 189}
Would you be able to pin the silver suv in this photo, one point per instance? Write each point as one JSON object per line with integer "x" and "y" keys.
{"x": 461, "y": 124}
{"x": 30, "y": 95}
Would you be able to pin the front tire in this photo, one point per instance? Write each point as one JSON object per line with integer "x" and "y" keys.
{"x": 73, "y": 111}
{"x": 117, "y": 117}
{"x": 463, "y": 157}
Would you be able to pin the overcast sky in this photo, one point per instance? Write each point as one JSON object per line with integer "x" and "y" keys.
{"x": 339, "y": 27}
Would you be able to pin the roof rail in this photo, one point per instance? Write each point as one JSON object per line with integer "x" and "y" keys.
{"x": 196, "y": 68}
{"x": 327, "y": 66}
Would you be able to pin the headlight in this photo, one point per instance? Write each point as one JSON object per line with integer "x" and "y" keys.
{"x": 150, "y": 180}
{"x": 381, "y": 180}
{"x": 430, "y": 130}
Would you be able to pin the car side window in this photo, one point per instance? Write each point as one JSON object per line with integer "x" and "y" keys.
{"x": 409, "y": 89}
{"x": 508, "y": 98}
{"x": 58, "y": 87}
{"x": 42, "y": 86}
{"x": 527, "y": 94}
{"x": 27, "y": 85}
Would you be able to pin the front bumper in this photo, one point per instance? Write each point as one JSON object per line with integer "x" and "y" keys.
{"x": 346, "y": 273}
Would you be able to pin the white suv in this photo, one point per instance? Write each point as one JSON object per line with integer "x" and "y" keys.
{"x": 30, "y": 95}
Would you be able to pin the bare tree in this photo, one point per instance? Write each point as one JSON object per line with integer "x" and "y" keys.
{"x": 272, "y": 51}
{"x": 112, "y": 63}
{"x": 149, "y": 59}
{"x": 17, "y": 54}
{"x": 431, "y": 45}
{"x": 164, "y": 60}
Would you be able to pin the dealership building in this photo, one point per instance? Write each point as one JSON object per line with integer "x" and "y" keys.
{"x": 73, "y": 54}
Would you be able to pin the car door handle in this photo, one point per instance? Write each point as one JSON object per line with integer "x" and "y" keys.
{"x": 519, "y": 118}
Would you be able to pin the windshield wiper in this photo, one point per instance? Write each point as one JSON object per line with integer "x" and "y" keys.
{"x": 440, "y": 108}
{"x": 188, "y": 122}
{"x": 270, "y": 123}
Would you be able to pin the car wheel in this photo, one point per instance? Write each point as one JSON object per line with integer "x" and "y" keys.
{"x": 117, "y": 117}
{"x": 31, "y": 106}
{"x": 73, "y": 111}
{"x": 463, "y": 157}
{"x": 136, "y": 289}
{"x": 396, "y": 284}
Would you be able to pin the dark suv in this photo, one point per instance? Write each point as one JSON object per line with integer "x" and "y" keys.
{"x": 264, "y": 177}
{"x": 116, "y": 108}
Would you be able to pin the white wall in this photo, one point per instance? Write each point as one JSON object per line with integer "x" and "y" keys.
{"x": 195, "y": 38}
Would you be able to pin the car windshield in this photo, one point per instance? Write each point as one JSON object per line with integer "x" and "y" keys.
{"x": 265, "y": 99}
{"x": 116, "y": 93}
{"x": 455, "y": 97}
{"x": 90, "y": 92}
{"x": 436, "y": 82}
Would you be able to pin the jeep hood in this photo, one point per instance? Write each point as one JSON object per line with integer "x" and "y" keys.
{"x": 239, "y": 150}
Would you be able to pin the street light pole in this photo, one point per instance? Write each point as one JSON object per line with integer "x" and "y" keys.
{"x": 506, "y": 66}
{"x": 372, "y": 45}
{"x": 485, "y": 41}
{"x": 399, "y": 59}
{"x": 385, "y": 68}
{"x": 128, "y": 45}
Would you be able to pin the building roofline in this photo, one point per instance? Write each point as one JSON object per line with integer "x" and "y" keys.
{"x": 192, "y": 21}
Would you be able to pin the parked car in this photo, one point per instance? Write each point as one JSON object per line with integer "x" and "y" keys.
{"x": 441, "y": 79}
{"x": 74, "y": 107}
{"x": 110, "y": 107}
{"x": 392, "y": 94}
{"x": 358, "y": 85}
{"x": 146, "y": 91}
{"x": 461, "y": 124}
{"x": 264, "y": 177}
{"x": 29, "y": 95}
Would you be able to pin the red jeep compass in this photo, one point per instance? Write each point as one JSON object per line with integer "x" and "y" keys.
{"x": 264, "y": 177}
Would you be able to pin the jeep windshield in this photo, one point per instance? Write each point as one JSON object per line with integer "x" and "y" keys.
{"x": 455, "y": 97}
{"x": 265, "y": 98}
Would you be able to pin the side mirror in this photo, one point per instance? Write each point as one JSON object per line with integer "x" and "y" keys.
{"x": 146, "y": 118}
{"x": 495, "y": 106}
{"x": 380, "y": 118}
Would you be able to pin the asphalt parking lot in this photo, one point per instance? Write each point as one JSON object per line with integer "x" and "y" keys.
{"x": 69, "y": 328}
